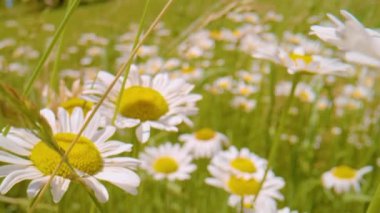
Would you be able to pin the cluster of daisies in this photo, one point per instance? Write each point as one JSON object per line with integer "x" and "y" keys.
{"x": 157, "y": 96}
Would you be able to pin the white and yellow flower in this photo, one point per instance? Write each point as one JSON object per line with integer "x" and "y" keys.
{"x": 146, "y": 102}
{"x": 247, "y": 189}
{"x": 27, "y": 157}
{"x": 361, "y": 45}
{"x": 204, "y": 143}
{"x": 243, "y": 103}
{"x": 344, "y": 178}
{"x": 297, "y": 60}
{"x": 168, "y": 161}
{"x": 241, "y": 163}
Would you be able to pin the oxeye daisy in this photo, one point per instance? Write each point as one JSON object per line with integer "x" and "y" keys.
{"x": 27, "y": 157}
{"x": 158, "y": 102}
{"x": 298, "y": 60}
{"x": 243, "y": 103}
{"x": 344, "y": 178}
{"x": 167, "y": 161}
{"x": 247, "y": 189}
{"x": 67, "y": 98}
{"x": 204, "y": 143}
{"x": 242, "y": 163}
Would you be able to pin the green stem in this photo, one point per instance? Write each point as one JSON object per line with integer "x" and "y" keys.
{"x": 276, "y": 141}
{"x": 44, "y": 57}
{"x": 374, "y": 205}
{"x": 54, "y": 76}
{"x": 127, "y": 69}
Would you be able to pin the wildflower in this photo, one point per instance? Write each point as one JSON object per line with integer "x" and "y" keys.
{"x": 168, "y": 161}
{"x": 204, "y": 143}
{"x": 298, "y": 60}
{"x": 344, "y": 178}
{"x": 361, "y": 45}
{"x": 241, "y": 163}
{"x": 29, "y": 158}
{"x": 247, "y": 189}
{"x": 243, "y": 103}
{"x": 146, "y": 102}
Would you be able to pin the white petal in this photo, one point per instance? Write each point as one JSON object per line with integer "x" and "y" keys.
{"x": 143, "y": 132}
{"x": 110, "y": 148}
{"x": 120, "y": 177}
{"x": 11, "y": 146}
{"x": 7, "y": 169}
{"x": 104, "y": 135}
{"x": 100, "y": 191}
{"x": 50, "y": 117}
{"x": 18, "y": 176}
{"x": 59, "y": 186}
{"x": 76, "y": 119}
{"x": 64, "y": 120}
{"x": 35, "y": 186}
{"x": 9, "y": 158}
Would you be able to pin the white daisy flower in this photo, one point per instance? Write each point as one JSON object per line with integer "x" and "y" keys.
{"x": 146, "y": 102}
{"x": 344, "y": 178}
{"x": 204, "y": 143}
{"x": 168, "y": 161}
{"x": 299, "y": 61}
{"x": 243, "y": 89}
{"x": 247, "y": 188}
{"x": 241, "y": 163}
{"x": 243, "y": 103}
{"x": 361, "y": 45}
{"x": 27, "y": 157}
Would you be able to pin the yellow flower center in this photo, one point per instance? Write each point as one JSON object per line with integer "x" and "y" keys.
{"x": 187, "y": 70}
{"x": 70, "y": 104}
{"x": 84, "y": 156}
{"x": 143, "y": 103}
{"x": 245, "y": 91}
{"x": 305, "y": 58}
{"x": 165, "y": 164}
{"x": 357, "y": 94}
{"x": 243, "y": 164}
{"x": 242, "y": 186}
{"x": 305, "y": 96}
{"x": 205, "y": 134}
{"x": 217, "y": 35}
{"x": 344, "y": 172}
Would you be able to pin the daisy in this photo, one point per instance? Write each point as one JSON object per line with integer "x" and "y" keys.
{"x": 361, "y": 45}
{"x": 243, "y": 89}
{"x": 238, "y": 162}
{"x": 66, "y": 98}
{"x": 247, "y": 189}
{"x": 344, "y": 178}
{"x": 27, "y": 157}
{"x": 204, "y": 143}
{"x": 298, "y": 60}
{"x": 167, "y": 161}
{"x": 146, "y": 102}
{"x": 243, "y": 103}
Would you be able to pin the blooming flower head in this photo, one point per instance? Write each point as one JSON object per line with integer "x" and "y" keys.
{"x": 248, "y": 188}
{"x": 67, "y": 98}
{"x": 297, "y": 60}
{"x": 168, "y": 161}
{"x": 146, "y": 102}
{"x": 343, "y": 178}
{"x": 361, "y": 45}
{"x": 27, "y": 157}
{"x": 243, "y": 103}
{"x": 241, "y": 163}
{"x": 204, "y": 143}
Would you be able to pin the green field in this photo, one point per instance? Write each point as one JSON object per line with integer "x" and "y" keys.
{"x": 310, "y": 138}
